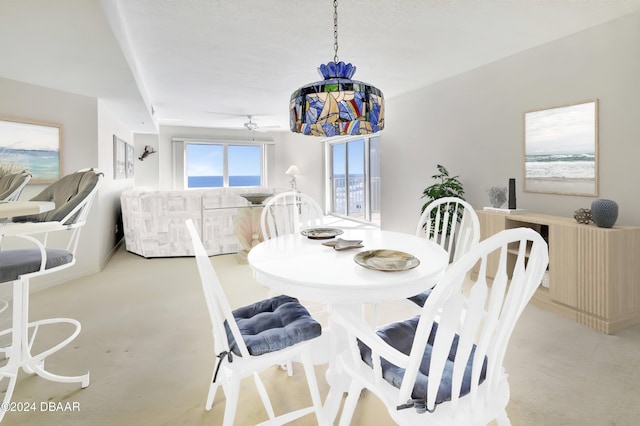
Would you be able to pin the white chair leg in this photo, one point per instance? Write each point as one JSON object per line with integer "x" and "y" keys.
{"x": 211, "y": 395}
{"x": 350, "y": 403}
{"x": 232, "y": 391}
{"x": 312, "y": 383}
{"x": 503, "y": 419}
{"x": 263, "y": 395}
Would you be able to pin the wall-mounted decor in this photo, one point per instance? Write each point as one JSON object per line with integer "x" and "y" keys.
{"x": 123, "y": 157}
{"x": 129, "y": 157}
{"x": 561, "y": 150}
{"x": 31, "y": 145}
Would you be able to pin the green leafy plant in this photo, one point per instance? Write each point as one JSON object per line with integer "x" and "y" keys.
{"x": 447, "y": 186}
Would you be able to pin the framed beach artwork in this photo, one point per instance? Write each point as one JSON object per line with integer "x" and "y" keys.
{"x": 33, "y": 146}
{"x": 561, "y": 150}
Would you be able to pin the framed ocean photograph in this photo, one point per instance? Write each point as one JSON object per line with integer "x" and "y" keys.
{"x": 561, "y": 150}
{"x": 33, "y": 146}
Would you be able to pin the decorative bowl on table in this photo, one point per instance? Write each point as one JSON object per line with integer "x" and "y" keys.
{"x": 256, "y": 198}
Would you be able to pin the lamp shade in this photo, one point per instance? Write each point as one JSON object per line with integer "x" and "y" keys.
{"x": 293, "y": 170}
{"x": 336, "y": 105}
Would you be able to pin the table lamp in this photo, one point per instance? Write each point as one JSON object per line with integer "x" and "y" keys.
{"x": 293, "y": 171}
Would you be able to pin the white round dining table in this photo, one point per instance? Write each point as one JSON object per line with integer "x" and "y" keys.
{"x": 305, "y": 268}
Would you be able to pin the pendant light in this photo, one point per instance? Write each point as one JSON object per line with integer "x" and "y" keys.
{"x": 336, "y": 105}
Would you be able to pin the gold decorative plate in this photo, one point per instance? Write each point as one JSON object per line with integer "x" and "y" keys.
{"x": 386, "y": 260}
{"x": 321, "y": 233}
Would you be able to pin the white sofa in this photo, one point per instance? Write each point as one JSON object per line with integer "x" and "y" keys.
{"x": 153, "y": 220}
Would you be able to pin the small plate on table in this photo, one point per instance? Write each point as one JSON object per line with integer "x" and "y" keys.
{"x": 386, "y": 260}
{"x": 321, "y": 233}
{"x": 340, "y": 244}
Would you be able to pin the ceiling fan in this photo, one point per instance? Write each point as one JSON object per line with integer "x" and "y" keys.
{"x": 253, "y": 126}
{"x": 249, "y": 124}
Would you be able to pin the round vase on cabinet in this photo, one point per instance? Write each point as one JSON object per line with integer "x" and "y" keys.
{"x": 604, "y": 212}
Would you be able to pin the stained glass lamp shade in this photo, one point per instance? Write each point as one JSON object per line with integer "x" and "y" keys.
{"x": 336, "y": 105}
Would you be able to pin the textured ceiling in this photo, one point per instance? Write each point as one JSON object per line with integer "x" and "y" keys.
{"x": 213, "y": 62}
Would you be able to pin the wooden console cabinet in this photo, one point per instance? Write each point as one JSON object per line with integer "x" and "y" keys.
{"x": 594, "y": 273}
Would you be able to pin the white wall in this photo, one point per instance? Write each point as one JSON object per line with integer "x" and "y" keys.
{"x": 147, "y": 170}
{"x": 473, "y": 124}
{"x": 109, "y": 217}
{"x": 307, "y": 152}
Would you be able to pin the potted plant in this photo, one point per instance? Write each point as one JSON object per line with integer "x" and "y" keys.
{"x": 447, "y": 186}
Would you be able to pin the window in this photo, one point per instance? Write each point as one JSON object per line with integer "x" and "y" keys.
{"x": 223, "y": 164}
{"x": 354, "y": 178}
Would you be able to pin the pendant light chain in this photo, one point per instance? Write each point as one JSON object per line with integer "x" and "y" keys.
{"x": 335, "y": 31}
{"x": 336, "y": 105}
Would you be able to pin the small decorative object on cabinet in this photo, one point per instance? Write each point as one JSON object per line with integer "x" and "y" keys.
{"x": 604, "y": 212}
{"x": 582, "y": 216}
{"x": 512, "y": 194}
{"x": 497, "y": 196}
{"x": 593, "y": 272}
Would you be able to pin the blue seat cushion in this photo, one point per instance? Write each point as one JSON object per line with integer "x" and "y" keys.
{"x": 420, "y": 299}
{"x": 273, "y": 324}
{"x": 14, "y": 263}
{"x": 400, "y": 335}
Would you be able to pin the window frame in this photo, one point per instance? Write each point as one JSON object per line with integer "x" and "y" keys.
{"x": 180, "y": 170}
{"x": 328, "y": 182}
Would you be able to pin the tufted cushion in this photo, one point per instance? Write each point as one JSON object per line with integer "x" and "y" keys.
{"x": 420, "y": 299}
{"x": 400, "y": 336}
{"x": 14, "y": 263}
{"x": 66, "y": 193}
{"x": 273, "y": 324}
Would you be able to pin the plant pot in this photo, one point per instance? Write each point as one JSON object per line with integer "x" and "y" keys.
{"x": 604, "y": 212}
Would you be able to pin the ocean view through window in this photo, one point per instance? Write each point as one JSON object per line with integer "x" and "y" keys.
{"x": 354, "y": 178}
{"x": 211, "y": 165}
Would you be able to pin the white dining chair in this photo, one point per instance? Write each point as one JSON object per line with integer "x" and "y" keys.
{"x": 445, "y": 366}
{"x": 11, "y": 185}
{"x": 453, "y": 224}
{"x": 288, "y": 213}
{"x": 253, "y": 338}
{"x": 36, "y": 249}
